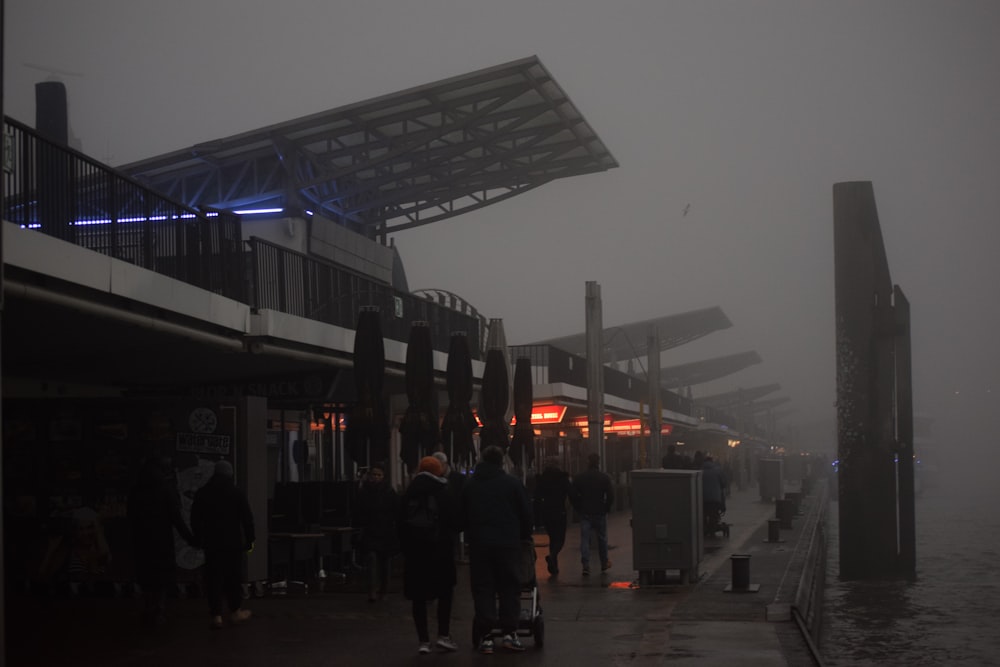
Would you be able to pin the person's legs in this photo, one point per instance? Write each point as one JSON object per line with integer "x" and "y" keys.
{"x": 585, "y": 541}
{"x": 232, "y": 584}
{"x": 420, "y": 620}
{"x": 384, "y": 565}
{"x": 481, "y": 579}
{"x": 601, "y": 526}
{"x": 213, "y": 576}
{"x": 372, "y": 561}
{"x": 556, "y": 528}
{"x": 444, "y": 611}
{"x": 509, "y": 591}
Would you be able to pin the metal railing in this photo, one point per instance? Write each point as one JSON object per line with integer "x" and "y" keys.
{"x": 63, "y": 193}
{"x": 317, "y": 289}
{"x": 550, "y": 364}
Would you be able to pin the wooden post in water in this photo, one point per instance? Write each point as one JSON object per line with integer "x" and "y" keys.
{"x": 904, "y": 435}
{"x": 865, "y": 384}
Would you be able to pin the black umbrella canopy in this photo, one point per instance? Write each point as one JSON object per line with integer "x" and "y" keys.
{"x": 367, "y": 434}
{"x": 459, "y": 422}
{"x": 522, "y": 444}
{"x": 419, "y": 429}
{"x": 493, "y": 402}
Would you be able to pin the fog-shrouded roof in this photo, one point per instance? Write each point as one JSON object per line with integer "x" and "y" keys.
{"x": 398, "y": 161}
{"x": 737, "y": 396}
{"x": 706, "y": 370}
{"x": 762, "y": 406}
{"x": 629, "y": 341}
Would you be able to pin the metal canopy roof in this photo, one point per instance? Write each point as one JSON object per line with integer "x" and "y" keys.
{"x": 697, "y": 372}
{"x": 761, "y": 406}
{"x": 397, "y": 161}
{"x": 737, "y": 396}
{"x": 628, "y": 341}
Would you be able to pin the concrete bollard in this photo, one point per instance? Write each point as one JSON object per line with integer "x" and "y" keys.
{"x": 741, "y": 575}
{"x": 796, "y": 499}
{"x": 774, "y": 530}
{"x": 784, "y": 511}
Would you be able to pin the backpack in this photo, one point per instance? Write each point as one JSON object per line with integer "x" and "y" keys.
{"x": 423, "y": 519}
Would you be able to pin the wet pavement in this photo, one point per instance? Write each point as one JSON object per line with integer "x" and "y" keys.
{"x": 603, "y": 619}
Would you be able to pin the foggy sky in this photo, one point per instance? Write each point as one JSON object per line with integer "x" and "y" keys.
{"x": 748, "y": 111}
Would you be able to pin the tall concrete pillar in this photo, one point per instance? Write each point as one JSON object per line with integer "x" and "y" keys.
{"x": 655, "y": 408}
{"x": 595, "y": 369}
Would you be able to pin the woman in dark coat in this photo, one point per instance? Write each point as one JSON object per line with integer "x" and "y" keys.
{"x": 428, "y": 523}
{"x": 154, "y": 511}
{"x": 377, "y": 506}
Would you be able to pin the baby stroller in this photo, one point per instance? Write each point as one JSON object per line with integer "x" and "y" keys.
{"x": 713, "y": 520}
{"x": 530, "y": 623}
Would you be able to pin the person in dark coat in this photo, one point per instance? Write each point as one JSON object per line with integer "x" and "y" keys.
{"x": 552, "y": 490}
{"x": 223, "y": 526}
{"x": 497, "y": 519}
{"x": 154, "y": 512}
{"x": 594, "y": 498}
{"x": 673, "y": 460}
{"x": 377, "y": 507}
{"x": 428, "y": 522}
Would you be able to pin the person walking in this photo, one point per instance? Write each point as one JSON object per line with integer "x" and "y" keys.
{"x": 154, "y": 512}
{"x": 594, "y": 497}
{"x": 552, "y": 490}
{"x": 497, "y": 518}
{"x": 428, "y": 518}
{"x": 713, "y": 494}
{"x": 378, "y": 505}
{"x": 223, "y": 526}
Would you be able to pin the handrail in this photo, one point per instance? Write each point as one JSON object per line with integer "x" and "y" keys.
{"x": 61, "y": 192}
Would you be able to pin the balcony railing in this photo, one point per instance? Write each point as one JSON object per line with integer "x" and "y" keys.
{"x": 550, "y": 365}
{"x": 298, "y": 284}
{"x": 63, "y": 193}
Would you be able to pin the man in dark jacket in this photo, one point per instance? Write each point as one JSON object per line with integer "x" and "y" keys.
{"x": 497, "y": 519}
{"x": 154, "y": 511}
{"x": 552, "y": 490}
{"x": 594, "y": 496}
{"x": 223, "y": 526}
{"x": 377, "y": 507}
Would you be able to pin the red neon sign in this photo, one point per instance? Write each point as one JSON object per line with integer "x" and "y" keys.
{"x": 545, "y": 414}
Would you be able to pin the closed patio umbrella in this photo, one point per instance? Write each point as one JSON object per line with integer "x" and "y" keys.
{"x": 459, "y": 422}
{"x": 522, "y": 444}
{"x": 494, "y": 401}
{"x": 367, "y": 434}
{"x": 419, "y": 429}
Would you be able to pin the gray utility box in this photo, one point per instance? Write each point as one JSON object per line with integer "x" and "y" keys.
{"x": 667, "y": 520}
{"x": 771, "y": 479}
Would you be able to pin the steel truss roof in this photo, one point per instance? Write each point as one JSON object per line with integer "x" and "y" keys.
{"x": 697, "y": 372}
{"x": 738, "y": 396}
{"x": 762, "y": 406}
{"x": 397, "y": 161}
{"x": 628, "y": 341}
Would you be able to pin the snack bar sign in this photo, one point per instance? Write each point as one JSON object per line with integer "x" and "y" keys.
{"x": 203, "y": 443}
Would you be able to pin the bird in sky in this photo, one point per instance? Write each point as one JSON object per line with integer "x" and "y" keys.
{"x": 687, "y": 208}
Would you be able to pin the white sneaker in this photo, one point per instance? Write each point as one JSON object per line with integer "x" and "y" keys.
{"x": 446, "y": 643}
{"x": 425, "y": 647}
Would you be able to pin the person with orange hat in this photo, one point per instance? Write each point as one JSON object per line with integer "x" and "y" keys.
{"x": 428, "y": 522}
